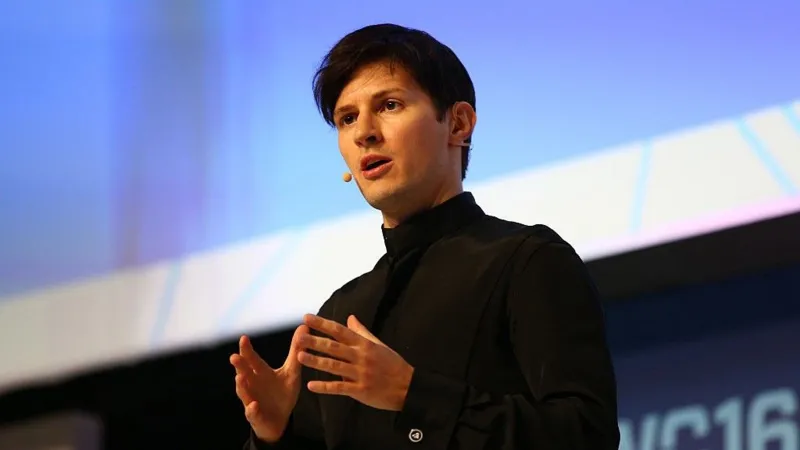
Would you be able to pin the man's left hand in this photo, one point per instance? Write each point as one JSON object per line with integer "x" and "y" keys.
{"x": 371, "y": 372}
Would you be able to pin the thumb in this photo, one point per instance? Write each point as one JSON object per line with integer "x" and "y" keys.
{"x": 358, "y": 327}
{"x": 291, "y": 362}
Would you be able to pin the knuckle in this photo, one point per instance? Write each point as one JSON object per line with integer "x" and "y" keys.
{"x": 368, "y": 358}
{"x": 243, "y": 395}
{"x": 368, "y": 346}
{"x": 254, "y": 418}
{"x": 241, "y": 386}
{"x": 366, "y": 376}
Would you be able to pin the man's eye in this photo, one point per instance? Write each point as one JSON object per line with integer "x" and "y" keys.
{"x": 347, "y": 120}
{"x": 391, "y": 105}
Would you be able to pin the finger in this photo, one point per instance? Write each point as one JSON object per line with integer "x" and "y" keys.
{"x": 251, "y": 357}
{"x": 329, "y": 365}
{"x": 299, "y": 334}
{"x": 296, "y": 346}
{"x": 251, "y": 411}
{"x": 354, "y": 324}
{"x": 332, "y": 329}
{"x": 328, "y": 347}
{"x": 240, "y": 364}
{"x": 243, "y": 390}
{"x": 333, "y": 387}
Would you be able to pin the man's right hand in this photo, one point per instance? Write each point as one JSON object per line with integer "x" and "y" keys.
{"x": 268, "y": 395}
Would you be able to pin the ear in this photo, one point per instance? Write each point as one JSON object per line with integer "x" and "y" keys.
{"x": 462, "y": 124}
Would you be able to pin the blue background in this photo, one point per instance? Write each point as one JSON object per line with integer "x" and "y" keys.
{"x": 138, "y": 131}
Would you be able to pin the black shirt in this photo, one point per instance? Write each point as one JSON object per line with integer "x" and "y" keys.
{"x": 503, "y": 326}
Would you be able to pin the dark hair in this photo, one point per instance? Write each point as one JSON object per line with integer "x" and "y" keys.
{"x": 432, "y": 64}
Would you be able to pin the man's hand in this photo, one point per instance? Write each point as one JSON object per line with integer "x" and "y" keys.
{"x": 268, "y": 395}
{"x": 371, "y": 372}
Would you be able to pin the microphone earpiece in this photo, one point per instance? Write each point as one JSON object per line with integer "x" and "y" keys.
{"x": 347, "y": 177}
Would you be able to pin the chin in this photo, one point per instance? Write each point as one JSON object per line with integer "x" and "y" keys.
{"x": 382, "y": 196}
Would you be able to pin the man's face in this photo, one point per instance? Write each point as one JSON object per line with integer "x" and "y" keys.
{"x": 398, "y": 152}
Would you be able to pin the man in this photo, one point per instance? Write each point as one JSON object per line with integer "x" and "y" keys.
{"x": 471, "y": 332}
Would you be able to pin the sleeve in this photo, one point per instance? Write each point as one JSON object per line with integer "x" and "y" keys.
{"x": 556, "y": 328}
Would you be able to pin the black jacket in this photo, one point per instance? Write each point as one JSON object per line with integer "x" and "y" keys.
{"x": 504, "y": 328}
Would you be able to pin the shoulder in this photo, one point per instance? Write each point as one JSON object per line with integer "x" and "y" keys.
{"x": 526, "y": 238}
{"x": 537, "y": 248}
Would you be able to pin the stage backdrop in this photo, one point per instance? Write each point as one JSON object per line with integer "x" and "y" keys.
{"x": 715, "y": 366}
{"x": 165, "y": 180}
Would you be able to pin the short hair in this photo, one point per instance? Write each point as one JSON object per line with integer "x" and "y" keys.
{"x": 433, "y": 65}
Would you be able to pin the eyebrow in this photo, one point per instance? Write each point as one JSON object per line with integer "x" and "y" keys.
{"x": 381, "y": 93}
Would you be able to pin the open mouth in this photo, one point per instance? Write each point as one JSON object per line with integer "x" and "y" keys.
{"x": 375, "y": 164}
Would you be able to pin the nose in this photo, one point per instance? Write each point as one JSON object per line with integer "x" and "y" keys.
{"x": 367, "y": 132}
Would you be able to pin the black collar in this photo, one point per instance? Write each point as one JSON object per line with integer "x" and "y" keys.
{"x": 431, "y": 225}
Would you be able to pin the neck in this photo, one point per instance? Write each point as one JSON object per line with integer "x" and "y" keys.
{"x": 392, "y": 219}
